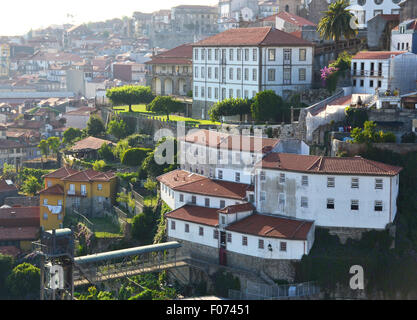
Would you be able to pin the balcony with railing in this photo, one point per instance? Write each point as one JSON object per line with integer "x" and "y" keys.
{"x": 367, "y": 73}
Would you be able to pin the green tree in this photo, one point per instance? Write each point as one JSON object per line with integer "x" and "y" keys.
{"x": 99, "y": 165}
{"x": 129, "y": 95}
{"x": 31, "y": 186}
{"x": 44, "y": 147}
{"x": 106, "y": 152}
{"x": 165, "y": 105}
{"x": 24, "y": 281}
{"x": 54, "y": 143}
{"x": 230, "y": 107}
{"x": 336, "y": 22}
{"x": 150, "y": 185}
{"x": 267, "y": 105}
{"x": 141, "y": 226}
{"x": 150, "y": 168}
{"x": 8, "y": 172}
{"x": 6, "y": 266}
{"x": 118, "y": 129}
{"x": 356, "y": 117}
{"x": 95, "y": 127}
{"x": 71, "y": 134}
{"x": 134, "y": 157}
{"x": 120, "y": 148}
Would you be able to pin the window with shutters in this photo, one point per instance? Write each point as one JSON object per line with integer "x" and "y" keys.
{"x": 354, "y": 205}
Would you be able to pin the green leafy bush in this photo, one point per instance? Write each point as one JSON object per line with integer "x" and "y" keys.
{"x": 134, "y": 157}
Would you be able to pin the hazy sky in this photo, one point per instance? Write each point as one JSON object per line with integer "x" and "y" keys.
{"x": 19, "y": 16}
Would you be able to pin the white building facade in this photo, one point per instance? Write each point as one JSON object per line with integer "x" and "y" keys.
{"x": 239, "y": 63}
{"x": 365, "y": 10}
{"x": 384, "y": 70}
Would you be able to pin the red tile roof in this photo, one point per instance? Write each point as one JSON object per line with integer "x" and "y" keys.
{"x": 20, "y": 217}
{"x": 19, "y": 233}
{"x": 294, "y": 19}
{"x": 56, "y": 190}
{"x": 272, "y": 227}
{"x": 245, "y": 207}
{"x": 179, "y": 55}
{"x": 5, "y": 187}
{"x": 206, "y": 186}
{"x": 327, "y": 165}
{"x": 370, "y": 55}
{"x": 264, "y": 36}
{"x": 90, "y": 143}
{"x": 84, "y": 111}
{"x": 230, "y": 142}
{"x": 179, "y": 177}
{"x": 61, "y": 173}
{"x": 89, "y": 176}
{"x": 195, "y": 214}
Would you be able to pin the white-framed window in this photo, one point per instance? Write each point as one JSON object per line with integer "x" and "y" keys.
{"x": 261, "y": 244}
{"x": 45, "y": 216}
{"x": 209, "y": 92}
{"x": 201, "y": 231}
{"x": 244, "y": 241}
{"x": 379, "y": 206}
{"x": 60, "y": 202}
{"x": 193, "y": 199}
{"x": 355, "y": 183}
{"x": 283, "y": 246}
{"x": 231, "y": 54}
{"x": 186, "y": 228}
{"x": 263, "y": 195}
{"x": 302, "y": 74}
{"x": 99, "y": 187}
{"x": 246, "y": 74}
{"x": 220, "y": 174}
{"x": 172, "y": 225}
{"x": 239, "y": 54}
{"x": 216, "y": 73}
{"x": 330, "y": 182}
{"x": 238, "y": 74}
{"x": 271, "y": 74}
{"x": 181, "y": 198}
{"x": 229, "y": 237}
{"x": 246, "y": 54}
{"x": 271, "y": 54}
{"x": 282, "y": 178}
{"x": 254, "y": 75}
{"x": 379, "y": 184}
{"x": 303, "y": 54}
{"x": 196, "y": 72}
{"x": 237, "y": 176}
{"x": 263, "y": 176}
{"x": 209, "y": 72}
{"x": 215, "y": 234}
{"x": 255, "y": 54}
{"x": 207, "y": 202}
{"x": 330, "y": 203}
{"x": 354, "y": 205}
{"x": 45, "y": 202}
{"x": 222, "y": 204}
{"x": 304, "y": 181}
{"x": 230, "y": 93}
{"x": 304, "y": 202}
{"x": 281, "y": 202}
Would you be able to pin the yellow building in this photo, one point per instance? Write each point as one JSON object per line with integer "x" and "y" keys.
{"x": 69, "y": 191}
{"x": 4, "y": 60}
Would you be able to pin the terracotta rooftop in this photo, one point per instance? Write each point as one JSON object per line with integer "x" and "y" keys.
{"x": 19, "y": 233}
{"x": 90, "y": 175}
{"x": 327, "y": 165}
{"x": 370, "y": 55}
{"x": 179, "y": 177}
{"x": 179, "y": 55}
{"x": 61, "y": 173}
{"x": 230, "y": 142}
{"x": 196, "y": 214}
{"x": 272, "y": 227}
{"x": 90, "y": 143}
{"x": 84, "y": 111}
{"x": 7, "y": 186}
{"x": 294, "y": 19}
{"x": 245, "y": 207}
{"x": 55, "y": 189}
{"x": 19, "y": 217}
{"x": 207, "y": 187}
{"x": 263, "y": 36}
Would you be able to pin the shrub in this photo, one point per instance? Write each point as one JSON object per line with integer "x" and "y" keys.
{"x": 223, "y": 281}
{"x": 24, "y": 281}
{"x": 106, "y": 152}
{"x": 134, "y": 157}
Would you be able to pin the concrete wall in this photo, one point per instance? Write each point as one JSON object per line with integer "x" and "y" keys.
{"x": 353, "y": 149}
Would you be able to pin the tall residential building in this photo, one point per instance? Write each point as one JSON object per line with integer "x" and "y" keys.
{"x": 367, "y": 9}
{"x": 4, "y": 60}
{"x": 242, "y": 62}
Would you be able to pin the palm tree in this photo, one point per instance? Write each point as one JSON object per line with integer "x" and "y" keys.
{"x": 336, "y": 22}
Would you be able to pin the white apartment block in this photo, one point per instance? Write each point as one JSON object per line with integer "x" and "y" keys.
{"x": 239, "y": 63}
{"x": 230, "y": 157}
{"x": 333, "y": 192}
{"x": 365, "y": 10}
{"x": 384, "y": 70}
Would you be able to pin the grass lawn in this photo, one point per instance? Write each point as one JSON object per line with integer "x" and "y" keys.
{"x": 105, "y": 228}
{"x": 142, "y": 109}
